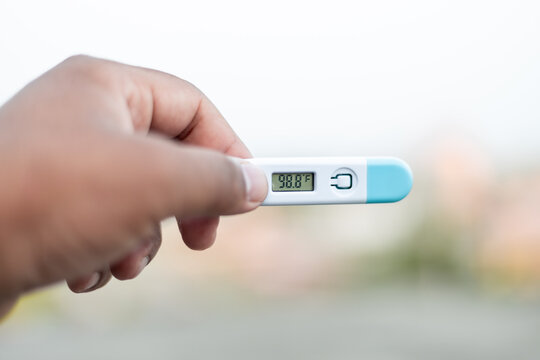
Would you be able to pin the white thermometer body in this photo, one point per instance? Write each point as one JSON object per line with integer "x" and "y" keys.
{"x": 334, "y": 180}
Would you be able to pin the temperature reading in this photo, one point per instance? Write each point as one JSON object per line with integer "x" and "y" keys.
{"x": 292, "y": 181}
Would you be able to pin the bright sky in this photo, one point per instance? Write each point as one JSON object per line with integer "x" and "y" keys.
{"x": 309, "y": 78}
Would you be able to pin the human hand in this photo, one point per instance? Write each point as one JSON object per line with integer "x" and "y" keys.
{"x": 94, "y": 155}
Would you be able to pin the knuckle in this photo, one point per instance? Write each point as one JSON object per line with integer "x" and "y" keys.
{"x": 81, "y": 64}
{"x": 88, "y": 69}
{"x": 77, "y": 59}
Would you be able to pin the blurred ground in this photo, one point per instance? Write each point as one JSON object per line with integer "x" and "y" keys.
{"x": 435, "y": 276}
{"x": 398, "y": 323}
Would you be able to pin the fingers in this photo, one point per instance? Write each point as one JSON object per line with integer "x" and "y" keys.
{"x": 180, "y": 110}
{"x": 127, "y": 268}
{"x": 134, "y": 263}
{"x": 90, "y": 282}
{"x": 171, "y": 106}
{"x": 184, "y": 112}
{"x": 199, "y": 233}
{"x": 141, "y": 181}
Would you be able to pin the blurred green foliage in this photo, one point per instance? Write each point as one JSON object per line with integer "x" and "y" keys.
{"x": 433, "y": 252}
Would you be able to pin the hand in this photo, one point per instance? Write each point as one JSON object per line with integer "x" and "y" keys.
{"x": 94, "y": 154}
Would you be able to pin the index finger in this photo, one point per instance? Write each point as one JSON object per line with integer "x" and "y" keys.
{"x": 180, "y": 110}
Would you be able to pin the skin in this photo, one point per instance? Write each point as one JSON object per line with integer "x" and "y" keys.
{"x": 94, "y": 155}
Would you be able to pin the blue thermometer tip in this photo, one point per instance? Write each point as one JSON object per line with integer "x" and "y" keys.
{"x": 388, "y": 180}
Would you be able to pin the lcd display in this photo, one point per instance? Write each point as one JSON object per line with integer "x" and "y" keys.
{"x": 293, "y": 181}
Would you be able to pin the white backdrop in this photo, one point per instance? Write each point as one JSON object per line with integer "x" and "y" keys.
{"x": 314, "y": 77}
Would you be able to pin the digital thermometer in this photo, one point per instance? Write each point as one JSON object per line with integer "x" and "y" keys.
{"x": 334, "y": 180}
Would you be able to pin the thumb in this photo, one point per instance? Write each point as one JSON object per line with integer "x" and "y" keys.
{"x": 174, "y": 179}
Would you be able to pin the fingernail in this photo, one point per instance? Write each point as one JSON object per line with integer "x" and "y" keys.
{"x": 144, "y": 261}
{"x": 93, "y": 281}
{"x": 256, "y": 184}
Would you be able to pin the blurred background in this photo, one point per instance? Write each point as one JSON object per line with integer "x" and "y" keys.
{"x": 452, "y": 271}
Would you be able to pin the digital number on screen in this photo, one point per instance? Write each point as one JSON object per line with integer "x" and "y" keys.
{"x": 292, "y": 181}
